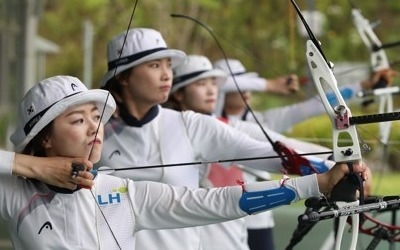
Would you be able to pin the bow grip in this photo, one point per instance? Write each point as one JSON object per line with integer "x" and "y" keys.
{"x": 346, "y": 189}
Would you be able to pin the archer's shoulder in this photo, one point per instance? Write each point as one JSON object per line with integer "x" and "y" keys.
{"x": 188, "y": 115}
{"x": 106, "y": 180}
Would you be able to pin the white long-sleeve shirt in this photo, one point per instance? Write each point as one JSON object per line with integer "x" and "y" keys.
{"x": 39, "y": 218}
{"x": 283, "y": 118}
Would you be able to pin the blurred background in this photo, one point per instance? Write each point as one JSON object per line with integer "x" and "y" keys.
{"x": 40, "y": 38}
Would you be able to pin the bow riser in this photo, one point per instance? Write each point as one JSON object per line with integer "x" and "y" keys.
{"x": 323, "y": 77}
{"x": 379, "y": 60}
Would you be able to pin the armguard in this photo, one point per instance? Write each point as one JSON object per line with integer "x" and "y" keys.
{"x": 253, "y": 202}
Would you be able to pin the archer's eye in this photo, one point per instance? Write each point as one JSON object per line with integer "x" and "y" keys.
{"x": 78, "y": 121}
{"x": 201, "y": 83}
{"x": 154, "y": 64}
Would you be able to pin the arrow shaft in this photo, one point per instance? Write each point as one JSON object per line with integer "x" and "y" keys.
{"x": 208, "y": 162}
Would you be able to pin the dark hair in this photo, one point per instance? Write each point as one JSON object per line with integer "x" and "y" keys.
{"x": 35, "y": 147}
{"x": 115, "y": 82}
{"x": 172, "y": 103}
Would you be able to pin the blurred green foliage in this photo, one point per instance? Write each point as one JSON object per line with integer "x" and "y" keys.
{"x": 262, "y": 34}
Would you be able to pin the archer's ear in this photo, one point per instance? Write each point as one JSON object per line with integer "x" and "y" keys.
{"x": 46, "y": 144}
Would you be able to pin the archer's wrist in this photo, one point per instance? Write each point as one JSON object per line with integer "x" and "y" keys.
{"x": 323, "y": 183}
{"x": 26, "y": 166}
{"x": 7, "y": 160}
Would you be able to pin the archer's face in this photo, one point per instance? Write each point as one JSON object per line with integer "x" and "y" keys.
{"x": 199, "y": 96}
{"x": 73, "y": 133}
{"x": 149, "y": 83}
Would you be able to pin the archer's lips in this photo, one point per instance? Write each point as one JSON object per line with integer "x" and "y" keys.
{"x": 97, "y": 141}
{"x": 165, "y": 87}
{"x": 210, "y": 100}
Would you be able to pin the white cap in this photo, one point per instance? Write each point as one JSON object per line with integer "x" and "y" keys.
{"x": 141, "y": 45}
{"x": 50, "y": 98}
{"x": 195, "y": 67}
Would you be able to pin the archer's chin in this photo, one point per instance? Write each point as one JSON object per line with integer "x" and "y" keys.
{"x": 95, "y": 156}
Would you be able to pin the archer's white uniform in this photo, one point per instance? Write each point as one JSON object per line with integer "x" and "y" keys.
{"x": 39, "y": 218}
{"x": 177, "y": 137}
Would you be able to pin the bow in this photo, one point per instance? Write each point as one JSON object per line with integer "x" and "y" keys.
{"x": 321, "y": 71}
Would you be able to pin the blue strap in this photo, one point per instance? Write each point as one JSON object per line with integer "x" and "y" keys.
{"x": 347, "y": 94}
{"x": 253, "y": 202}
{"x": 320, "y": 166}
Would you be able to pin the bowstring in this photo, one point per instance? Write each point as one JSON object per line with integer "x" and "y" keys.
{"x": 101, "y": 117}
{"x": 115, "y": 71}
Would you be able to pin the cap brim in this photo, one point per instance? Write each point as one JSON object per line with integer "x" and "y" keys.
{"x": 218, "y": 74}
{"x": 102, "y": 99}
{"x": 248, "y": 74}
{"x": 177, "y": 57}
{"x": 246, "y": 82}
